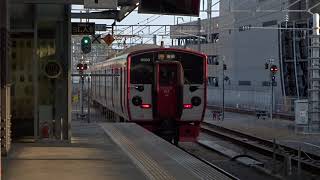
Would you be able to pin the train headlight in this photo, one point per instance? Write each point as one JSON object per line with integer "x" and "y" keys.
{"x": 136, "y": 100}
{"x": 196, "y": 101}
{"x": 139, "y": 88}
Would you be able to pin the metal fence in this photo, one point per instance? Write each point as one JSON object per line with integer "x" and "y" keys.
{"x": 83, "y": 109}
{"x": 250, "y": 98}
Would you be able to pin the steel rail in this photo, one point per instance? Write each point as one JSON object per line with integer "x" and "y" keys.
{"x": 210, "y": 164}
{"x": 309, "y": 162}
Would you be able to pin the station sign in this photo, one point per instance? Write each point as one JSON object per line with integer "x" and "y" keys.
{"x": 83, "y": 28}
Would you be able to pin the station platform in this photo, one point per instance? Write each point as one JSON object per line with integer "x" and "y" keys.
{"x": 105, "y": 151}
{"x": 283, "y": 131}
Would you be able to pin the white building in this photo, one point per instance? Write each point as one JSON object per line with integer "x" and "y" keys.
{"x": 246, "y": 36}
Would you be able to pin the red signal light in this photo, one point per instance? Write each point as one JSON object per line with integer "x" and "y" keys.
{"x": 187, "y": 106}
{"x": 80, "y": 67}
{"x": 274, "y": 69}
{"x": 145, "y": 106}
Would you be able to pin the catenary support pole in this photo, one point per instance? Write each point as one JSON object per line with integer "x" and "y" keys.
{"x": 199, "y": 34}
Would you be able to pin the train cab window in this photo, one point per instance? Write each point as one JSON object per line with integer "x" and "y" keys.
{"x": 142, "y": 69}
{"x": 193, "y": 67}
{"x": 167, "y": 76}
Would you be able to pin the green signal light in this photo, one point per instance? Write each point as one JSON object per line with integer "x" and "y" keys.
{"x": 86, "y": 45}
{"x": 86, "y": 40}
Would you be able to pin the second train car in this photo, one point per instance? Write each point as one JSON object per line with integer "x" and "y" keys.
{"x": 162, "y": 89}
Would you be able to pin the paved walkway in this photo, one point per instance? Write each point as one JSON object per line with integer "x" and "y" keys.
{"x": 91, "y": 155}
{"x": 113, "y": 151}
{"x": 282, "y": 130}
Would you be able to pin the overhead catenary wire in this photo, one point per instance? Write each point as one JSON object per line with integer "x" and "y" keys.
{"x": 264, "y": 11}
{"x": 138, "y": 29}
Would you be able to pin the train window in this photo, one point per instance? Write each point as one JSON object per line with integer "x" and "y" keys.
{"x": 116, "y": 78}
{"x": 193, "y": 68}
{"x": 167, "y": 75}
{"x": 142, "y": 69}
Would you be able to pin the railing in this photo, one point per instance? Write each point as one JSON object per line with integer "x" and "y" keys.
{"x": 250, "y": 99}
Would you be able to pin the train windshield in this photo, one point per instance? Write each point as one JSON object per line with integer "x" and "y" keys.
{"x": 167, "y": 75}
{"x": 193, "y": 67}
{"x": 142, "y": 69}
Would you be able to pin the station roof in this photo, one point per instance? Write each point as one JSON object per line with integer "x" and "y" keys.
{"x": 125, "y": 8}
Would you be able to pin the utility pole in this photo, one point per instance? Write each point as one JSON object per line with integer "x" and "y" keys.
{"x": 224, "y": 67}
{"x": 199, "y": 34}
{"x": 209, "y": 18}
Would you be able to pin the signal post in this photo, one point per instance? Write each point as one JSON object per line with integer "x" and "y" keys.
{"x": 273, "y": 72}
{"x": 81, "y": 67}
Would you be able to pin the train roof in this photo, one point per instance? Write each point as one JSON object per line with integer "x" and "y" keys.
{"x": 167, "y": 49}
{"x": 143, "y": 49}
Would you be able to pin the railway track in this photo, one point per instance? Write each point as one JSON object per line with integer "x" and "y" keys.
{"x": 286, "y": 116}
{"x": 306, "y": 161}
{"x": 232, "y": 177}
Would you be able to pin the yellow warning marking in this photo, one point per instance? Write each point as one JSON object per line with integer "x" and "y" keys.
{"x": 148, "y": 165}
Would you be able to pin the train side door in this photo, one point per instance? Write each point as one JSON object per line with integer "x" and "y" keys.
{"x": 167, "y": 90}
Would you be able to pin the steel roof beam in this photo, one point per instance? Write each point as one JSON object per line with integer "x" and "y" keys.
{"x": 80, "y": 2}
{"x": 127, "y": 2}
{"x": 127, "y": 6}
{"x": 112, "y": 14}
{"x": 46, "y": 1}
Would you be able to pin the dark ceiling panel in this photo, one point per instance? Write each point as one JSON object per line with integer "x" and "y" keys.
{"x": 111, "y": 14}
{"x": 126, "y": 7}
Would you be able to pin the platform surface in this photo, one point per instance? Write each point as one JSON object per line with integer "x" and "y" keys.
{"x": 105, "y": 151}
{"x": 91, "y": 155}
{"x": 281, "y": 130}
{"x": 157, "y": 158}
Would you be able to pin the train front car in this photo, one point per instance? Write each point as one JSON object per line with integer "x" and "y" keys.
{"x": 167, "y": 92}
